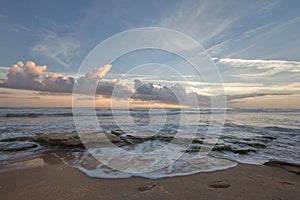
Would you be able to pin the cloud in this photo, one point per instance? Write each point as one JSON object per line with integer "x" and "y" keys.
{"x": 209, "y": 18}
{"x": 177, "y": 94}
{"x": 255, "y": 68}
{"x": 147, "y": 91}
{"x": 29, "y": 76}
{"x": 58, "y": 48}
{"x": 108, "y": 88}
{"x": 57, "y": 83}
{"x": 104, "y": 88}
{"x": 174, "y": 94}
{"x": 24, "y": 76}
{"x": 4, "y": 68}
{"x": 251, "y": 95}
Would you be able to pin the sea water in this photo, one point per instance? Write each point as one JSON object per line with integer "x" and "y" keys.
{"x": 250, "y": 136}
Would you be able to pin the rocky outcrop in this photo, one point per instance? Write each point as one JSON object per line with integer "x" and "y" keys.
{"x": 117, "y": 132}
{"x": 55, "y": 139}
{"x": 63, "y": 140}
{"x": 121, "y": 138}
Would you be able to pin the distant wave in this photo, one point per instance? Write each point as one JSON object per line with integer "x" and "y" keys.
{"x": 269, "y": 128}
{"x": 38, "y": 114}
{"x": 267, "y": 110}
{"x": 281, "y": 129}
{"x": 35, "y": 115}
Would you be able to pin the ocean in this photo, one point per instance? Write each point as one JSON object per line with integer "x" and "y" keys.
{"x": 251, "y": 136}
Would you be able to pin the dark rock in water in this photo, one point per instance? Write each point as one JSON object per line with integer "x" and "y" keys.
{"x": 246, "y": 142}
{"x": 198, "y": 141}
{"x": 222, "y": 148}
{"x": 91, "y": 140}
{"x": 269, "y": 137}
{"x": 17, "y": 146}
{"x": 165, "y": 138}
{"x": 193, "y": 149}
{"x": 256, "y": 144}
{"x": 103, "y": 140}
{"x": 241, "y": 150}
{"x": 70, "y": 140}
{"x": 56, "y": 139}
{"x": 117, "y": 132}
{"x": 291, "y": 167}
{"x": 147, "y": 187}
{"x": 131, "y": 139}
{"x": 219, "y": 184}
{"x": 233, "y": 148}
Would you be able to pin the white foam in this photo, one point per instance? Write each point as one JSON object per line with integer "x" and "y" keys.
{"x": 187, "y": 164}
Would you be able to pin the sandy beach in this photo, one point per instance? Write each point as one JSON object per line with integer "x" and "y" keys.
{"x": 152, "y": 99}
{"x": 49, "y": 178}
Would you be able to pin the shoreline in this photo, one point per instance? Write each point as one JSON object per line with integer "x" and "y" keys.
{"x": 49, "y": 178}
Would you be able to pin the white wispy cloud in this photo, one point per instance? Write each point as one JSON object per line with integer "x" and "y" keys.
{"x": 274, "y": 40}
{"x": 2, "y": 68}
{"x": 203, "y": 20}
{"x": 23, "y": 28}
{"x": 260, "y": 67}
{"x": 61, "y": 49}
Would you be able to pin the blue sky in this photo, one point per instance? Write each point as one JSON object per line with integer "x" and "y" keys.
{"x": 254, "y": 43}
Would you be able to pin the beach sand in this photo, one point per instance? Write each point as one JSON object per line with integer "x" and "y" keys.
{"x": 54, "y": 180}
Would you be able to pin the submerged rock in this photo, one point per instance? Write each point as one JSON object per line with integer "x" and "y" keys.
{"x": 17, "y": 146}
{"x": 234, "y": 148}
{"x": 268, "y": 137}
{"x": 117, "y": 132}
{"x": 222, "y": 148}
{"x": 256, "y": 144}
{"x": 102, "y": 140}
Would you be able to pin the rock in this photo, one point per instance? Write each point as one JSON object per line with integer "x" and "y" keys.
{"x": 103, "y": 140}
{"x": 219, "y": 184}
{"x": 218, "y": 147}
{"x": 165, "y": 138}
{"x": 72, "y": 140}
{"x": 192, "y": 150}
{"x": 256, "y": 144}
{"x": 66, "y": 140}
{"x": 198, "y": 141}
{"x": 17, "y": 146}
{"x": 56, "y": 139}
{"x": 147, "y": 187}
{"x": 268, "y": 137}
{"x": 117, "y": 132}
{"x": 131, "y": 139}
{"x": 291, "y": 167}
{"x": 240, "y": 149}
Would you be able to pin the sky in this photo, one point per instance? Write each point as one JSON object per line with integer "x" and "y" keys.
{"x": 255, "y": 46}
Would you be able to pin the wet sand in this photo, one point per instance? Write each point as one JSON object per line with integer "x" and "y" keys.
{"x": 54, "y": 180}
